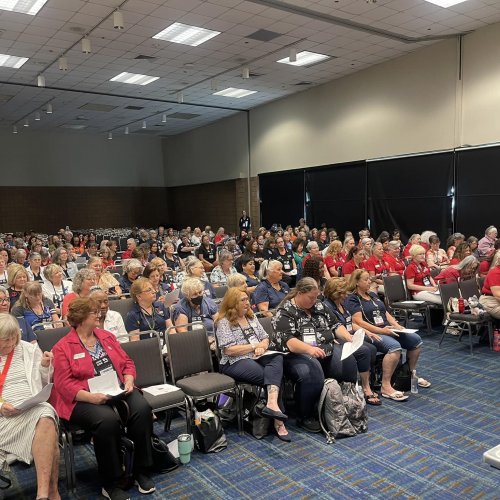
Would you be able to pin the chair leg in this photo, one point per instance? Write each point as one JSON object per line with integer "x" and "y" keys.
{"x": 168, "y": 420}
{"x": 490, "y": 334}
{"x": 428, "y": 320}
{"x": 469, "y": 329}
{"x": 444, "y": 332}
{"x": 189, "y": 414}
{"x": 69, "y": 460}
{"x": 239, "y": 409}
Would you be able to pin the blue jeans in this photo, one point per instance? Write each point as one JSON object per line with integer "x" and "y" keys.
{"x": 408, "y": 341}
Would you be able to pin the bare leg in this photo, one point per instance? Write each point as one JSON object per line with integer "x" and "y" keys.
{"x": 43, "y": 449}
{"x": 413, "y": 358}
{"x": 365, "y": 382}
{"x": 272, "y": 397}
{"x": 54, "y": 477}
{"x": 389, "y": 364}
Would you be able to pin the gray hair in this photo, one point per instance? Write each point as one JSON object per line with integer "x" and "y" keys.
{"x": 57, "y": 254}
{"x": 393, "y": 244}
{"x": 224, "y": 255}
{"x": 80, "y": 277}
{"x": 466, "y": 261}
{"x": 266, "y": 266}
{"x": 190, "y": 286}
{"x": 235, "y": 280}
{"x": 190, "y": 263}
{"x": 9, "y": 327}
{"x": 424, "y": 237}
{"x": 489, "y": 229}
{"x": 132, "y": 264}
{"x": 34, "y": 255}
{"x": 311, "y": 245}
{"x": 4, "y": 291}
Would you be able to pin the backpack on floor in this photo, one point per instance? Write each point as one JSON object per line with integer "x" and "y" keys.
{"x": 342, "y": 410}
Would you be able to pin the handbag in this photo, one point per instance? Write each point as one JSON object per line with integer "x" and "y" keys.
{"x": 401, "y": 378}
{"x": 254, "y": 422}
{"x": 163, "y": 460}
{"x": 209, "y": 435}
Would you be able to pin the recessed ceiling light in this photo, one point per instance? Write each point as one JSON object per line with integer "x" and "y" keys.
{"x": 305, "y": 58}
{"x": 30, "y": 7}
{"x": 12, "y": 61}
{"x": 185, "y": 34}
{"x": 134, "y": 78}
{"x": 445, "y": 3}
{"x": 233, "y": 92}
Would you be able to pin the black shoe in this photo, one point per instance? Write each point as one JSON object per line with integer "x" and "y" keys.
{"x": 278, "y": 415}
{"x": 310, "y": 424}
{"x": 284, "y": 437}
{"x": 144, "y": 483}
{"x": 115, "y": 494}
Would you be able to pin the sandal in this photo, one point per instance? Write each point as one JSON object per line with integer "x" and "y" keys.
{"x": 373, "y": 399}
{"x": 396, "y": 396}
{"x": 284, "y": 436}
{"x": 423, "y": 383}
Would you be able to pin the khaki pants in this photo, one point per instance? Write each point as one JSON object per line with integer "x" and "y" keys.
{"x": 491, "y": 304}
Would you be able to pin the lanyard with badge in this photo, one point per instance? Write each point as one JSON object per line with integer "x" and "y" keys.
{"x": 100, "y": 359}
{"x": 5, "y": 370}
{"x": 425, "y": 279}
{"x": 378, "y": 319}
{"x": 313, "y": 338}
{"x": 249, "y": 334}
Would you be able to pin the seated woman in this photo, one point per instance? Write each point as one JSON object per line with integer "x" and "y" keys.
{"x": 436, "y": 257}
{"x": 153, "y": 250}
{"x": 225, "y": 268}
{"x": 104, "y": 278}
{"x": 306, "y": 330}
{"x": 239, "y": 281}
{"x": 248, "y": 270}
{"x": 486, "y": 244}
{"x": 314, "y": 268}
{"x": 269, "y": 249}
{"x": 377, "y": 267}
{"x": 287, "y": 260}
{"x": 35, "y": 269}
{"x": 85, "y": 352}
{"x": 252, "y": 249}
{"x": 451, "y": 244}
{"x": 355, "y": 261}
{"x": 418, "y": 277}
{"x": 194, "y": 269}
{"x": 242, "y": 342}
{"x": 147, "y": 313}
{"x": 34, "y": 307}
{"x": 393, "y": 257}
{"x": 194, "y": 306}
{"x": 83, "y": 281}
{"x": 132, "y": 269}
{"x": 461, "y": 251}
{"x": 20, "y": 257}
{"x": 333, "y": 260}
{"x": 271, "y": 290}
{"x": 61, "y": 258}
{"x": 369, "y": 313}
{"x": 174, "y": 263}
{"x": 54, "y": 287}
{"x": 473, "y": 245}
{"x": 464, "y": 270}
{"x": 490, "y": 292}
{"x": 17, "y": 277}
{"x": 414, "y": 240}
{"x": 3, "y": 271}
{"x": 152, "y": 273}
{"x": 109, "y": 320}
{"x": 207, "y": 253}
{"x": 298, "y": 248}
{"x": 106, "y": 257}
{"x": 335, "y": 293}
{"x": 31, "y": 434}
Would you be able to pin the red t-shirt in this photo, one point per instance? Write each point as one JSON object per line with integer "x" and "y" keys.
{"x": 492, "y": 279}
{"x": 331, "y": 262}
{"x": 454, "y": 261}
{"x": 395, "y": 265}
{"x": 448, "y": 275}
{"x": 418, "y": 273}
{"x": 376, "y": 266}
{"x": 484, "y": 267}
{"x": 349, "y": 267}
{"x": 406, "y": 250}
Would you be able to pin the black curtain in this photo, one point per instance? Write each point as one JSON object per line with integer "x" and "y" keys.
{"x": 477, "y": 190}
{"x": 336, "y": 195}
{"x": 412, "y": 194}
{"x": 281, "y": 198}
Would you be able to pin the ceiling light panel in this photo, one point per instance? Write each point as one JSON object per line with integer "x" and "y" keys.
{"x": 445, "y": 3}
{"x": 134, "y": 78}
{"x": 234, "y": 92}
{"x": 30, "y": 7}
{"x": 12, "y": 61}
{"x": 305, "y": 58}
{"x": 185, "y": 34}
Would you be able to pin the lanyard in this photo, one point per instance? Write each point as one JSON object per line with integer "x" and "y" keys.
{"x": 5, "y": 370}
{"x": 144, "y": 314}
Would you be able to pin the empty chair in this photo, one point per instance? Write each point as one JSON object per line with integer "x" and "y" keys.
{"x": 47, "y": 339}
{"x": 469, "y": 288}
{"x": 267, "y": 325}
{"x": 123, "y": 306}
{"x": 220, "y": 291}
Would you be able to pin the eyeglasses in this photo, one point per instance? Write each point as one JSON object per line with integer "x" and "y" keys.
{"x": 4, "y": 301}
{"x": 96, "y": 313}
{"x": 148, "y": 290}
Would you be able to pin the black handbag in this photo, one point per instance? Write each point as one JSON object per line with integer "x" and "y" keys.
{"x": 254, "y": 422}
{"x": 209, "y": 435}
{"x": 163, "y": 460}
{"x": 401, "y": 378}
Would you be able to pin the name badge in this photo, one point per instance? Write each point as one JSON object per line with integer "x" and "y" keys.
{"x": 426, "y": 281}
{"x": 210, "y": 255}
{"x": 287, "y": 266}
{"x": 309, "y": 336}
{"x": 377, "y": 318}
{"x": 348, "y": 324}
{"x": 79, "y": 355}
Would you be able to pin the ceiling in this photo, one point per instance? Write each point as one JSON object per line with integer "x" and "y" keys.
{"x": 356, "y": 33}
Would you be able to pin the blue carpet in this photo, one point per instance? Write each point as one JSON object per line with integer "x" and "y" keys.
{"x": 429, "y": 447}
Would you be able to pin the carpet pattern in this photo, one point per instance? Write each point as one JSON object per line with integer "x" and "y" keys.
{"x": 429, "y": 447}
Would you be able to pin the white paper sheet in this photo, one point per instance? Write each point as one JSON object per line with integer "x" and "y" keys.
{"x": 357, "y": 341}
{"x": 268, "y": 353}
{"x": 413, "y": 301}
{"x": 404, "y": 330}
{"x": 106, "y": 384}
{"x": 41, "y": 397}
{"x": 158, "y": 390}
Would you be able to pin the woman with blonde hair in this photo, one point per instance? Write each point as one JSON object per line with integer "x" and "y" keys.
{"x": 104, "y": 278}
{"x": 243, "y": 341}
{"x": 333, "y": 261}
{"x": 17, "y": 277}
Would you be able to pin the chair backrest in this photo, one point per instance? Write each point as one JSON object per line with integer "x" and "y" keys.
{"x": 188, "y": 353}
{"x": 394, "y": 288}
{"x": 118, "y": 269}
{"x": 447, "y": 291}
{"x": 122, "y": 306}
{"x": 146, "y": 354}
{"x": 220, "y": 291}
{"x": 480, "y": 282}
{"x": 172, "y": 297}
{"x": 81, "y": 265}
{"x": 469, "y": 288}
{"x": 47, "y": 339}
{"x": 267, "y": 325}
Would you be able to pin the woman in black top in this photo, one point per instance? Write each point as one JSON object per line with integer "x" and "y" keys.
{"x": 253, "y": 250}
{"x": 207, "y": 253}
{"x": 269, "y": 250}
{"x": 285, "y": 256}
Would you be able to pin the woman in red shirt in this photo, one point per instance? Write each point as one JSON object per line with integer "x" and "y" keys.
{"x": 392, "y": 257}
{"x": 377, "y": 267}
{"x": 464, "y": 270}
{"x": 333, "y": 261}
{"x": 355, "y": 260}
{"x": 418, "y": 277}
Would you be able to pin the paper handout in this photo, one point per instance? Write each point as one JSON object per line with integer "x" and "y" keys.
{"x": 158, "y": 390}
{"x": 41, "y": 397}
{"x": 357, "y": 341}
{"x": 106, "y": 384}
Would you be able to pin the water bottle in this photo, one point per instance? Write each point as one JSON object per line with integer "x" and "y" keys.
{"x": 414, "y": 382}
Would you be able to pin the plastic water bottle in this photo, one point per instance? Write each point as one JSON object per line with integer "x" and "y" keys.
{"x": 414, "y": 382}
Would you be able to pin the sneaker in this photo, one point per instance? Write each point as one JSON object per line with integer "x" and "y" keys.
{"x": 310, "y": 424}
{"x": 144, "y": 483}
{"x": 115, "y": 494}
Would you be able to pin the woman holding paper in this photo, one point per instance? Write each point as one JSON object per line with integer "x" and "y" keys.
{"x": 33, "y": 433}
{"x": 88, "y": 352}
{"x": 243, "y": 341}
{"x": 388, "y": 336}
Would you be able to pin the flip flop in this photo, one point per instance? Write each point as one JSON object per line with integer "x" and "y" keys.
{"x": 395, "y": 396}
{"x": 423, "y": 383}
{"x": 373, "y": 399}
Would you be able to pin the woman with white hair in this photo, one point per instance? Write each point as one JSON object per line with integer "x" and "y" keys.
{"x": 271, "y": 290}
{"x": 35, "y": 269}
{"x": 418, "y": 277}
{"x": 132, "y": 269}
{"x": 486, "y": 245}
{"x": 225, "y": 268}
{"x": 464, "y": 270}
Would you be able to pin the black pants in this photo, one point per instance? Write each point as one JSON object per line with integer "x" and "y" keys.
{"x": 266, "y": 370}
{"x": 104, "y": 424}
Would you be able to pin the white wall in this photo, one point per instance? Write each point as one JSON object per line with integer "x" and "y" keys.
{"x": 38, "y": 159}
{"x": 216, "y": 152}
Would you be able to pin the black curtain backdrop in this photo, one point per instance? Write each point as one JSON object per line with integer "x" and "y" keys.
{"x": 477, "y": 190}
{"x": 336, "y": 195}
{"x": 281, "y": 198}
{"x": 412, "y": 194}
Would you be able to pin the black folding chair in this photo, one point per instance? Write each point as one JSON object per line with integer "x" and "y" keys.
{"x": 123, "y": 306}
{"x": 469, "y": 288}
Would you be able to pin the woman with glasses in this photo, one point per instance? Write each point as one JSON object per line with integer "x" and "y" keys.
{"x": 84, "y": 280}
{"x": 61, "y": 257}
{"x": 220, "y": 273}
{"x": 418, "y": 277}
{"x": 271, "y": 290}
{"x": 54, "y": 287}
{"x": 132, "y": 269}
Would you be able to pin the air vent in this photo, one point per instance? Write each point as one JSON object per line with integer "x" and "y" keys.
{"x": 303, "y": 83}
{"x": 183, "y": 116}
{"x": 135, "y": 108}
{"x": 263, "y": 35}
{"x": 142, "y": 56}
{"x": 98, "y": 107}
{"x": 73, "y": 126}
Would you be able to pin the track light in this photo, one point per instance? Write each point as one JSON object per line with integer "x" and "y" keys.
{"x": 110, "y": 136}
{"x": 40, "y": 81}
{"x": 26, "y": 123}
{"x": 86, "y": 46}
{"x": 164, "y": 118}
{"x": 37, "y": 116}
{"x": 144, "y": 124}
{"x": 49, "y": 109}
{"x": 245, "y": 73}
{"x": 180, "y": 97}
{"x": 63, "y": 63}
{"x": 118, "y": 20}
{"x": 14, "y": 129}
{"x": 293, "y": 55}
{"x": 126, "y": 131}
